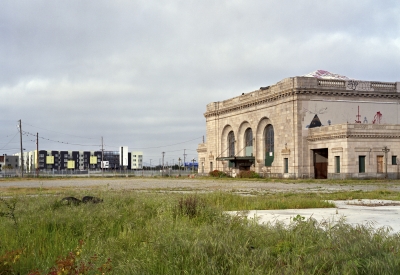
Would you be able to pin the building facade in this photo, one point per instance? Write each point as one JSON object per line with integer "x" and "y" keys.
{"x": 136, "y": 160}
{"x": 9, "y": 162}
{"x": 51, "y": 160}
{"x": 319, "y": 125}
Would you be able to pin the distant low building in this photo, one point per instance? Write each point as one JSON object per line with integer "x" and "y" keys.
{"x": 9, "y": 162}
{"x": 52, "y": 160}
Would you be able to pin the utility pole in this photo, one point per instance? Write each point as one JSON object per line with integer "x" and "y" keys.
{"x": 22, "y": 156}
{"x": 37, "y": 154}
{"x": 193, "y": 160}
{"x": 162, "y": 173}
{"x": 102, "y": 156}
{"x": 150, "y": 164}
{"x": 184, "y": 159}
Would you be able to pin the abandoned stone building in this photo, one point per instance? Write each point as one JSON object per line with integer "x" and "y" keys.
{"x": 320, "y": 125}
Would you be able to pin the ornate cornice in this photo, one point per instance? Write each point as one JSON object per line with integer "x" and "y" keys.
{"x": 304, "y": 86}
{"x": 354, "y": 131}
{"x": 202, "y": 147}
{"x": 356, "y": 135}
{"x": 249, "y": 104}
{"x": 344, "y": 93}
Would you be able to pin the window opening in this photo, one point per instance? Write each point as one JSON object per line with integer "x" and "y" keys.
{"x": 231, "y": 144}
{"x": 337, "y": 164}
{"x": 286, "y": 165}
{"x": 361, "y": 164}
{"x": 269, "y": 145}
{"x": 248, "y": 136}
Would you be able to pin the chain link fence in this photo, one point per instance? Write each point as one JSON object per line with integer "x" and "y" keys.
{"x": 9, "y": 173}
{"x": 98, "y": 173}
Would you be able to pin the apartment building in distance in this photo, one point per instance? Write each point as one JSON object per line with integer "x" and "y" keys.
{"x": 49, "y": 160}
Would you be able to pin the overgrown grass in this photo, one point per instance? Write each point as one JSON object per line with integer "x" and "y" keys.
{"x": 153, "y": 233}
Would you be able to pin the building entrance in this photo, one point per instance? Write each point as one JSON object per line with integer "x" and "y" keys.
{"x": 241, "y": 163}
{"x": 320, "y": 157}
{"x": 379, "y": 162}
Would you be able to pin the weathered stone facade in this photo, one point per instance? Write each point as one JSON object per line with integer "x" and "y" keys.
{"x": 274, "y": 130}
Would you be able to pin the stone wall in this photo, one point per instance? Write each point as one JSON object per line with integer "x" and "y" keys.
{"x": 287, "y": 106}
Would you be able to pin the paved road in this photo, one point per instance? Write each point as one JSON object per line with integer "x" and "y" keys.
{"x": 189, "y": 184}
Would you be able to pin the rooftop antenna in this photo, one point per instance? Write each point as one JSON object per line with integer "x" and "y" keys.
{"x": 358, "y": 116}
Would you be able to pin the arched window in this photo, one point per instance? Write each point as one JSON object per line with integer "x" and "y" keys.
{"x": 269, "y": 138}
{"x": 231, "y": 144}
{"x": 248, "y": 137}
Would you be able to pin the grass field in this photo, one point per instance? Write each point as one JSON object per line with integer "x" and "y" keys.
{"x": 173, "y": 233}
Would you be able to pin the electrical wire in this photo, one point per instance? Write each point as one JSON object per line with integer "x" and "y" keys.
{"x": 26, "y": 133}
{"x": 9, "y": 141}
{"x": 57, "y": 141}
{"x": 55, "y": 131}
{"x": 167, "y": 145}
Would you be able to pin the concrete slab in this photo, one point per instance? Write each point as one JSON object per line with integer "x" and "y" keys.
{"x": 378, "y": 213}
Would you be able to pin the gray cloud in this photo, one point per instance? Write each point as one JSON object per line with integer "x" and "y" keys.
{"x": 140, "y": 73}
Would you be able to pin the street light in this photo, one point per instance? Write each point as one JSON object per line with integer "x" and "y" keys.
{"x": 193, "y": 160}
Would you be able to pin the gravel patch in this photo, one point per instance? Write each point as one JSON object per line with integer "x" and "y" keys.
{"x": 193, "y": 185}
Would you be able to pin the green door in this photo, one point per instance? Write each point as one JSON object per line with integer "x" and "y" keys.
{"x": 269, "y": 158}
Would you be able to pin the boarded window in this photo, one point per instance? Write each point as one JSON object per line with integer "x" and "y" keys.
{"x": 337, "y": 164}
{"x": 379, "y": 163}
{"x": 361, "y": 164}
{"x": 286, "y": 165}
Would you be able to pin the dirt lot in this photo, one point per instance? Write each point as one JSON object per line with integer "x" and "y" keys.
{"x": 188, "y": 184}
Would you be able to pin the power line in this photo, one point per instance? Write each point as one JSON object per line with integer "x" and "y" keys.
{"x": 9, "y": 141}
{"x": 56, "y": 131}
{"x": 156, "y": 147}
{"x": 167, "y": 145}
{"x": 63, "y": 142}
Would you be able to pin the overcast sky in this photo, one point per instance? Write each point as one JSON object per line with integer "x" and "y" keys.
{"x": 140, "y": 73}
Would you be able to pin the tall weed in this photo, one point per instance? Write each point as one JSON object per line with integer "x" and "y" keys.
{"x": 153, "y": 233}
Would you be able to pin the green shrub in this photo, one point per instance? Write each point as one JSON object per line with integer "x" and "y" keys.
{"x": 248, "y": 174}
{"x": 218, "y": 174}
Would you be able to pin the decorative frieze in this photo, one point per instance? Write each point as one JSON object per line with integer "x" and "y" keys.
{"x": 299, "y": 86}
{"x": 355, "y": 131}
